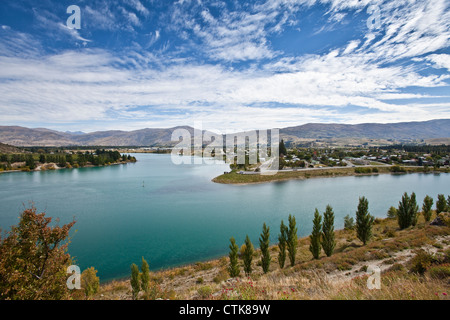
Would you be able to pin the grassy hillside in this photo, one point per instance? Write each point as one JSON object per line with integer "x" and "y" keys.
{"x": 399, "y": 254}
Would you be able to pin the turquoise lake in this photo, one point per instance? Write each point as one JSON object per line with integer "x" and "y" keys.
{"x": 173, "y": 214}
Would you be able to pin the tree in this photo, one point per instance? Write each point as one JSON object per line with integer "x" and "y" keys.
{"x": 328, "y": 239}
{"x": 135, "y": 283}
{"x": 29, "y": 162}
{"x": 292, "y": 239}
{"x": 282, "y": 149}
{"x": 90, "y": 282}
{"x": 315, "y": 247}
{"x": 441, "y": 204}
{"x": 282, "y": 241}
{"x": 34, "y": 259}
{"x": 233, "y": 268}
{"x": 349, "y": 223}
{"x": 392, "y": 213}
{"x": 407, "y": 211}
{"x": 145, "y": 276}
{"x": 426, "y": 207}
{"x": 248, "y": 256}
{"x": 364, "y": 221}
{"x": 264, "y": 241}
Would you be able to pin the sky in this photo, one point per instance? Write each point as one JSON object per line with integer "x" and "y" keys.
{"x": 227, "y": 65}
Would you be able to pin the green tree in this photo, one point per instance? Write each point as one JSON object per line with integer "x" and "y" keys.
{"x": 145, "y": 276}
{"x": 315, "y": 246}
{"x": 328, "y": 237}
{"x": 248, "y": 256}
{"x": 233, "y": 268}
{"x": 264, "y": 241}
{"x": 349, "y": 223}
{"x": 392, "y": 213}
{"x": 282, "y": 149}
{"x": 90, "y": 282}
{"x": 407, "y": 211}
{"x": 34, "y": 259}
{"x": 135, "y": 283}
{"x": 364, "y": 221}
{"x": 441, "y": 204}
{"x": 29, "y": 162}
{"x": 426, "y": 207}
{"x": 292, "y": 240}
{"x": 282, "y": 242}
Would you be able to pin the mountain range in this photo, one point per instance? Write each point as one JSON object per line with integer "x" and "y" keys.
{"x": 403, "y": 131}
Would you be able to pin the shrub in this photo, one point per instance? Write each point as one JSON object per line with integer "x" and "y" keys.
{"x": 199, "y": 280}
{"x": 204, "y": 292}
{"x": 34, "y": 259}
{"x": 440, "y": 272}
{"x": 90, "y": 282}
{"x": 421, "y": 261}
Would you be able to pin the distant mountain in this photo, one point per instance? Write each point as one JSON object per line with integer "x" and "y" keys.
{"x": 396, "y": 131}
{"x": 404, "y": 131}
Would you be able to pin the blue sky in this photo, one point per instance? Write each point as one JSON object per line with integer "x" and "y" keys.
{"x": 231, "y": 65}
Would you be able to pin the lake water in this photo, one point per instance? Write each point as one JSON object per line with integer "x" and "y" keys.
{"x": 173, "y": 214}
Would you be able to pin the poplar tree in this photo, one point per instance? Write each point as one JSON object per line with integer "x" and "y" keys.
{"x": 233, "y": 268}
{"x": 315, "y": 247}
{"x": 264, "y": 246}
{"x": 426, "y": 207}
{"x": 145, "y": 276}
{"x": 364, "y": 221}
{"x": 248, "y": 256}
{"x": 135, "y": 285}
{"x": 292, "y": 239}
{"x": 328, "y": 240}
{"x": 441, "y": 204}
{"x": 282, "y": 241}
{"x": 407, "y": 211}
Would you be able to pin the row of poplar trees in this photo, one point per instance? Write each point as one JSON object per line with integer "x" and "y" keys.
{"x": 322, "y": 237}
{"x": 287, "y": 242}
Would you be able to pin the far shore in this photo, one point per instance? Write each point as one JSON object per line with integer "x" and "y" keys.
{"x": 54, "y": 166}
{"x": 302, "y": 174}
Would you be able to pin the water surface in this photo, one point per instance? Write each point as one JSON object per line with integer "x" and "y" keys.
{"x": 174, "y": 215}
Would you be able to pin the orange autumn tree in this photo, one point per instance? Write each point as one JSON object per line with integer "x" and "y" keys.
{"x": 34, "y": 259}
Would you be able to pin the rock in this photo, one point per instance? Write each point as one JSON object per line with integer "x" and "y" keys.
{"x": 443, "y": 219}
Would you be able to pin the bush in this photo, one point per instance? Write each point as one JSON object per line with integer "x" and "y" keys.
{"x": 440, "y": 272}
{"x": 204, "y": 292}
{"x": 421, "y": 261}
{"x": 397, "y": 169}
{"x": 90, "y": 282}
{"x": 363, "y": 170}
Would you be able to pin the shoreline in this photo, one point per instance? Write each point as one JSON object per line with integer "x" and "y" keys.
{"x": 248, "y": 179}
{"x": 56, "y": 167}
